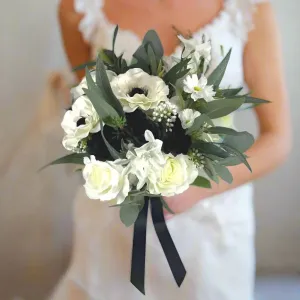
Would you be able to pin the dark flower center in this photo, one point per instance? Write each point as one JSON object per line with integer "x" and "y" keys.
{"x": 137, "y": 91}
{"x": 81, "y": 121}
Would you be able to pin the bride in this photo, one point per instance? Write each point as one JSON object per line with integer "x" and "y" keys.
{"x": 213, "y": 229}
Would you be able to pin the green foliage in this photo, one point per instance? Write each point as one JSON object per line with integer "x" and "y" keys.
{"x": 217, "y": 75}
{"x": 240, "y": 142}
{"x": 130, "y": 209}
{"x": 177, "y": 71}
{"x": 222, "y": 130}
{"x": 105, "y": 88}
{"x": 84, "y": 66}
{"x": 220, "y": 108}
{"x": 74, "y": 158}
{"x": 223, "y": 172}
{"x": 198, "y": 124}
{"x": 202, "y": 182}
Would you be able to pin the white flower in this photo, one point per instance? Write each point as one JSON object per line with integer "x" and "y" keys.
{"x": 137, "y": 89}
{"x": 196, "y": 49}
{"x": 105, "y": 181}
{"x": 78, "y": 90}
{"x": 187, "y": 117}
{"x": 147, "y": 160}
{"x": 198, "y": 88}
{"x": 79, "y": 122}
{"x": 175, "y": 177}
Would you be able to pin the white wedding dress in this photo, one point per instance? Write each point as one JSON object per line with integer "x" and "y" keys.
{"x": 215, "y": 238}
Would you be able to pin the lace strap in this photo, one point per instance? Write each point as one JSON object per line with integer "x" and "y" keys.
{"x": 242, "y": 14}
{"x": 93, "y": 16}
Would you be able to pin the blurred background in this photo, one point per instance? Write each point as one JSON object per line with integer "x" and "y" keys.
{"x": 34, "y": 249}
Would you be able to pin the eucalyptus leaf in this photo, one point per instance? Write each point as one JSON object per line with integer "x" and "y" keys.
{"x": 216, "y": 76}
{"x": 74, "y": 158}
{"x": 253, "y": 100}
{"x": 104, "y": 110}
{"x": 227, "y": 93}
{"x": 91, "y": 63}
{"x": 221, "y": 108}
{"x": 223, "y": 172}
{"x": 199, "y": 122}
{"x": 152, "y": 60}
{"x": 113, "y": 152}
{"x": 222, "y": 130}
{"x": 166, "y": 206}
{"x": 114, "y": 37}
{"x": 230, "y": 161}
{"x": 235, "y": 152}
{"x": 104, "y": 85}
{"x": 211, "y": 148}
{"x": 202, "y": 182}
{"x": 210, "y": 170}
{"x": 152, "y": 38}
{"x": 129, "y": 214}
{"x": 240, "y": 142}
{"x": 177, "y": 71}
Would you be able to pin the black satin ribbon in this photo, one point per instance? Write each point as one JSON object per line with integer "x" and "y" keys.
{"x": 139, "y": 245}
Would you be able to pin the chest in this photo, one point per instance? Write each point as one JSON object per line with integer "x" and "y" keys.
{"x": 165, "y": 16}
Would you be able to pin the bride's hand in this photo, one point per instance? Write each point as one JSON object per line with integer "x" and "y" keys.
{"x": 183, "y": 202}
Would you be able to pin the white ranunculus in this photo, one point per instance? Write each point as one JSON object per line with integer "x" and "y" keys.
{"x": 79, "y": 122}
{"x": 147, "y": 160}
{"x": 78, "y": 90}
{"x": 106, "y": 181}
{"x": 175, "y": 177}
{"x": 137, "y": 89}
{"x": 198, "y": 88}
{"x": 187, "y": 117}
{"x": 196, "y": 49}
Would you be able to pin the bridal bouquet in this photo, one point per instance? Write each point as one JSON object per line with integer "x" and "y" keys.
{"x": 150, "y": 128}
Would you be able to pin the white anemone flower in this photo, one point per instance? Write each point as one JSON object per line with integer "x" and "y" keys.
{"x": 137, "y": 89}
{"x": 79, "y": 122}
{"x": 198, "y": 88}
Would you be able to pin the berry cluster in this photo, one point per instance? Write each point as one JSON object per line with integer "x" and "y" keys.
{"x": 165, "y": 112}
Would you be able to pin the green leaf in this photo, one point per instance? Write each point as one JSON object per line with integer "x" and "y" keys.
{"x": 152, "y": 38}
{"x": 202, "y": 182}
{"x": 240, "y": 142}
{"x": 230, "y": 161}
{"x": 113, "y": 152}
{"x": 235, "y": 152}
{"x": 114, "y": 37}
{"x": 129, "y": 214}
{"x": 210, "y": 170}
{"x": 166, "y": 206}
{"x": 152, "y": 60}
{"x": 222, "y": 130}
{"x": 104, "y": 85}
{"x": 227, "y": 93}
{"x": 91, "y": 63}
{"x": 211, "y": 148}
{"x": 74, "y": 158}
{"x": 223, "y": 172}
{"x": 199, "y": 105}
{"x": 199, "y": 122}
{"x": 107, "y": 56}
{"x": 221, "y": 108}
{"x": 216, "y": 76}
{"x": 177, "y": 71}
{"x": 253, "y": 100}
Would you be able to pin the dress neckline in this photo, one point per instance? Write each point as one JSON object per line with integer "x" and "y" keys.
{"x": 222, "y": 14}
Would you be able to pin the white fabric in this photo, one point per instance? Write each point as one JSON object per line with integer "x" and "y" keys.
{"x": 215, "y": 238}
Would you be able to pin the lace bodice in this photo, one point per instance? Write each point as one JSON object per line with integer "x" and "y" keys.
{"x": 229, "y": 30}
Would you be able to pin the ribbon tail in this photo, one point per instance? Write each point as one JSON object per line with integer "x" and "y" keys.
{"x": 137, "y": 277}
{"x": 166, "y": 241}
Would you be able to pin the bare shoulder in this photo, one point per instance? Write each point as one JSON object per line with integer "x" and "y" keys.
{"x": 67, "y": 13}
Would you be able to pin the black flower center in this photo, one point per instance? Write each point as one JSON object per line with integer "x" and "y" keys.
{"x": 81, "y": 121}
{"x": 135, "y": 91}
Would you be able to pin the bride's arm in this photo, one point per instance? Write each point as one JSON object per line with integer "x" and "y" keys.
{"x": 264, "y": 75}
{"x": 78, "y": 51}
